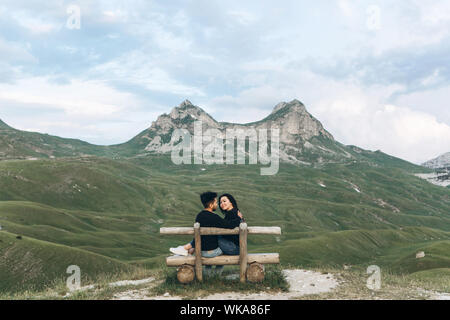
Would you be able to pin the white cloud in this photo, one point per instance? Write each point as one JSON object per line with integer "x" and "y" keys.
{"x": 412, "y": 24}
{"x": 114, "y": 16}
{"x": 34, "y": 24}
{"x": 434, "y": 14}
{"x": 432, "y": 79}
{"x": 139, "y": 69}
{"x": 87, "y": 110}
{"x": 433, "y": 101}
{"x": 78, "y": 98}
{"x": 243, "y": 17}
{"x": 361, "y": 117}
{"x": 242, "y": 109}
{"x": 346, "y": 7}
{"x": 15, "y": 52}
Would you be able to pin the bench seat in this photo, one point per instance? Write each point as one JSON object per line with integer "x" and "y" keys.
{"x": 263, "y": 258}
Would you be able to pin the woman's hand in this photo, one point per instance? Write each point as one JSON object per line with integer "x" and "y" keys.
{"x": 240, "y": 214}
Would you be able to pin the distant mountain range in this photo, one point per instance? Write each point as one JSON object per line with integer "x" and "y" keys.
{"x": 441, "y": 168}
{"x": 303, "y": 139}
{"x": 442, "y": 161}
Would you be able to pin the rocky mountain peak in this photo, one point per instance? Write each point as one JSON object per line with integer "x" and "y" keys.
{"x": 188, "y": 112}
{"x": 183, "y": 109}
{"x": 294, "y": 120}
{"x": 185, "y": 103}
{"x": 183, "y": 116}
{"x": 442, "y": 161}
{"x": 297, "y": 128}
{"x": 279, "y": 106}
{"x": 294, "y": 105}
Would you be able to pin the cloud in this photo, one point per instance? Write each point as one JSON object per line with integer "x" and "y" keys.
{"x": 432, "y": 101}
{"x": 397, "y": 130}
{"x": 15, "y": 52}
{"x": 243, "y": 17}
{"x": 95, "y": 111}
{"x": 237, "y": 60}
{"x": 36, "y": 25}
{"x": 77, "y": 98}
{"x": 245, "y": 108}
{"x": 137, "y": 68}
{"x": 354, "y": 114}
{"x": 346, "y": 7}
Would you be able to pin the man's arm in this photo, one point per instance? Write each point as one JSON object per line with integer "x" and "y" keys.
{"x": 218, "y": 222}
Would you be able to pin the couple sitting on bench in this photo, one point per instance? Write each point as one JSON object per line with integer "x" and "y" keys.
{"x": 215, "y": 245}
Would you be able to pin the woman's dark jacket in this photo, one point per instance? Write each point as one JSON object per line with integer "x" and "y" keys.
{"x": 232, "y": 215}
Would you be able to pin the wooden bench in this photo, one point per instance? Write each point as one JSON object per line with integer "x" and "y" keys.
{"x": 251, "y": 265}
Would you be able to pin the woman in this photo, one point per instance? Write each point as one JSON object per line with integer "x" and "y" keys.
{"x": 228, "y": 244}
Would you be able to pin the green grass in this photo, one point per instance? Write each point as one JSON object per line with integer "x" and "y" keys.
{"x": 58, "y": 290}
{"x": 433, "y": 279}
{"x": 352, "y": 285}
{"x": 394, "y": 286}
{"x": 17, "y": 144}
{"x": 274, "y": 280}
{"x": 437, "y": 256}
{"x": 113, "y": 209}
{"x": 30, "y": 264}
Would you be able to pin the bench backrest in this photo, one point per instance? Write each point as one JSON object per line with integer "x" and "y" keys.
{"x": 219, "y": 231}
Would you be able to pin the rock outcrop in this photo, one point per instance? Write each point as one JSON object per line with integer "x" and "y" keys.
{"x": 442, "y": 161}
{"x": 302, "y": 137}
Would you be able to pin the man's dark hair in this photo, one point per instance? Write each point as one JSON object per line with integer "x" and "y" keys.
{"x": 207, "y": 198}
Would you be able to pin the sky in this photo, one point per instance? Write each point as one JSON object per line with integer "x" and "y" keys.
{"x": 376, "y": 74}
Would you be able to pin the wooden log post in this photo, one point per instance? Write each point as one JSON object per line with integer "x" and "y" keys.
{"x": 198, "y": 252}
{"x": 185, "y": 273}
{"x": 216, "y": 231}
{"x": 263, "y": 258}
{"x": 255, "y": 272}
{"x": 243, "y": 258}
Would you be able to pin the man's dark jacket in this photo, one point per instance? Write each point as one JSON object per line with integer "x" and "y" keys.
{"x": 209, "y": 219}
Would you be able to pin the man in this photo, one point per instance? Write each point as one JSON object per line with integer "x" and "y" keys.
{"x": 207, "y": 218}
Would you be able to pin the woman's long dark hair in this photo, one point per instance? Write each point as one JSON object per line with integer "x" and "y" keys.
{"x": 232, "y": 200}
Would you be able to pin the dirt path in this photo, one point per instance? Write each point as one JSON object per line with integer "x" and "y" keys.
{"x": 301, "y": 282}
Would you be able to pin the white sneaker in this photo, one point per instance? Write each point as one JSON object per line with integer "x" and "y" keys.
{"x": 180, "y": 250}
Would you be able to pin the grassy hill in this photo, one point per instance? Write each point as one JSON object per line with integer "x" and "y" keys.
{"x": 31, "y": 264}
{"x": 107, "y": 211}
{"x": 18, "y": 144}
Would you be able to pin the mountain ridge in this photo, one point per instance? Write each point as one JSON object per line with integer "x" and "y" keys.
{"x": 3, "y": 125}
{"x": 442, "y": 161}
{"x": 303, "y": 139}
{"x": 297, "y": 128}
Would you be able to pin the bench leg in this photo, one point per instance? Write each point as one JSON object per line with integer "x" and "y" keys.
{"x": 243, "y": 258}
{"x": 185, "y": 273}
{"x": 198, "y": 252}
{"x": 255, "y": 272}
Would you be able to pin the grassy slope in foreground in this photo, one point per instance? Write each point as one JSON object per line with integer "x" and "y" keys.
{"x": 30, "y": 264}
